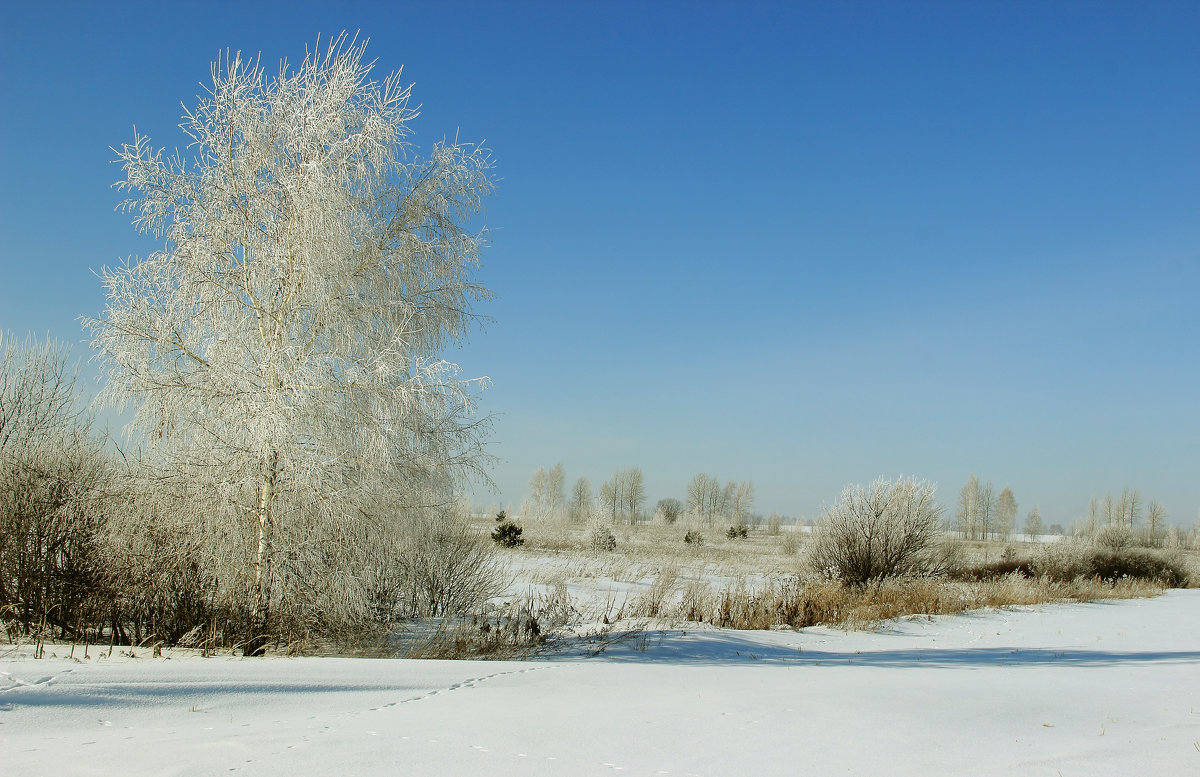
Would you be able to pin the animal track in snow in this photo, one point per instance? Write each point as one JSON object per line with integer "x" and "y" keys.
{"x": 472, "y": 682}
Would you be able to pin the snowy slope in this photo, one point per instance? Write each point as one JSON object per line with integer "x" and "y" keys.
{"x": 1088, "y": 689}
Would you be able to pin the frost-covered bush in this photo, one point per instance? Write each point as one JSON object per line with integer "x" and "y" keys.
{"x": 693, "y": 537}
{"x": 887, "y": 528}
{"x": 54, "y": 478}
{"x": 1114, "y": 537}
{"x": 668, "y": 510}
{"x": 446, "y": 566}
{"x": 601, "y": 538}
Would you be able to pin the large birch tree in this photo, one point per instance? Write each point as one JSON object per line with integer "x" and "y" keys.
{"x": 288, "y": 337}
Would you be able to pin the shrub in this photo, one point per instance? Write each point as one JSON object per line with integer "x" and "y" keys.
{"x": 601, "y": 538}
{"x": 791, "y": 542}
{"x": 693, "y": 537}
{"x": 737, "y": 532}
{"x": 508, "y": 534}
{"x": 1138, "y": 564}
{"x": 669, "y": 509}
{"x": 994, "y": 570}
{"x": 1069, "y": 561}
{"x": 446, "y": 566}
{"x": 1114, "y": 537}
{"x": 886, "y": 529}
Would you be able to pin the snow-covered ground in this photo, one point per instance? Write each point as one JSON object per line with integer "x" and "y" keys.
{"x": 1107, "y": 688}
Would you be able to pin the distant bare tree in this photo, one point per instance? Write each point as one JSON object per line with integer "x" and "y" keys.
{"x": 742, "y": 502}
{"x": 610, "y": 496}
{"x": 967, "y": 515}
{"x": 579, "y": 509}
{"x": 1156, "y": 518}
{"x": 634, "y": 493}
{"x": 1033, "y": 524}
{"x": 1129, "y": 508}
{"x": 539, "y": 495}
{"x": 555, "y": 488}
{"x": 1006, "y": 514}
{"x": 704, "y": 497}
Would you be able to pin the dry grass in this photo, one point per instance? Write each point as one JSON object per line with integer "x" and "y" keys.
{"x": 796, "y": 603}
{"x": 762, "y": 582}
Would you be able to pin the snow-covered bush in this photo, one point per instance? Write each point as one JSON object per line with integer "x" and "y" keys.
{"x": 888, "y": 528}
{"x": 668, "y": 510}
{"x": 446, "y": 566}
{"x": 601, "y": 538}
{"x": 54, "y": 478}
{"x": 1114, "y": 536}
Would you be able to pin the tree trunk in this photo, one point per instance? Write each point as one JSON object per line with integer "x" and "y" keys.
{"x": 260, "y": 613}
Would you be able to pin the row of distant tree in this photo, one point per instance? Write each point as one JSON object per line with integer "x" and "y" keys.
{"x": 981, "y": 512}
{"x": 984, "y": 514}
{"x": 622, "y": 499}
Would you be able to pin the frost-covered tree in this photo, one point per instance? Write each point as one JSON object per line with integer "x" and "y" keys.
{"x": 742, "y": 502}
{"x": 967, "y": 515}
{"x": 704, "y": 497}
{"x": 37, "y": 390}
{"x": 610, "y": 496}
{"x": 546, "y": 497}
{"x": 580, "y": 507}
{"x": 985, "y": 506}
{"x": 555, "y": 488}
{"x": 624, "y": 494}
{"x": 1033, "y": 524}
{"x": 537, "y": 503}
{"x": 1156, "y": 518}
{"x": 287, "y": 338}
{"x": 1006, "y": 513}
{"x": 633, "y": 492}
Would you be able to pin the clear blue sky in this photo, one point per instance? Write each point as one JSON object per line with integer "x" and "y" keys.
{"x": 805, "y": 244}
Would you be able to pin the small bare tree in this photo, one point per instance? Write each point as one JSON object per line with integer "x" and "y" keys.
{"x": 704, "y": 498}
{"x": 538, "y": 502}
{"x": 634, "y": 493}
{"x": 1033, "y": 525}
{"x": 967, "y": 516}
{"x": 579, "y": 509}
{"x": 1156, "y": 518}
{"x": 555, "y": 489}
{"x": 1006, "y": 514}
{"x": 742, "y": 502}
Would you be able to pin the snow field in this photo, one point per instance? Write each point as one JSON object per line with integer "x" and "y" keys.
{"x": 1105, "y": 688}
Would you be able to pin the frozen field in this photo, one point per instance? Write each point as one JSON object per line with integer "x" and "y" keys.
{"x": 1081, "y": 689}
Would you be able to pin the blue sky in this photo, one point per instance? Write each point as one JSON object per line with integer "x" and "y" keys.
{"x": 804, "y": 244}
